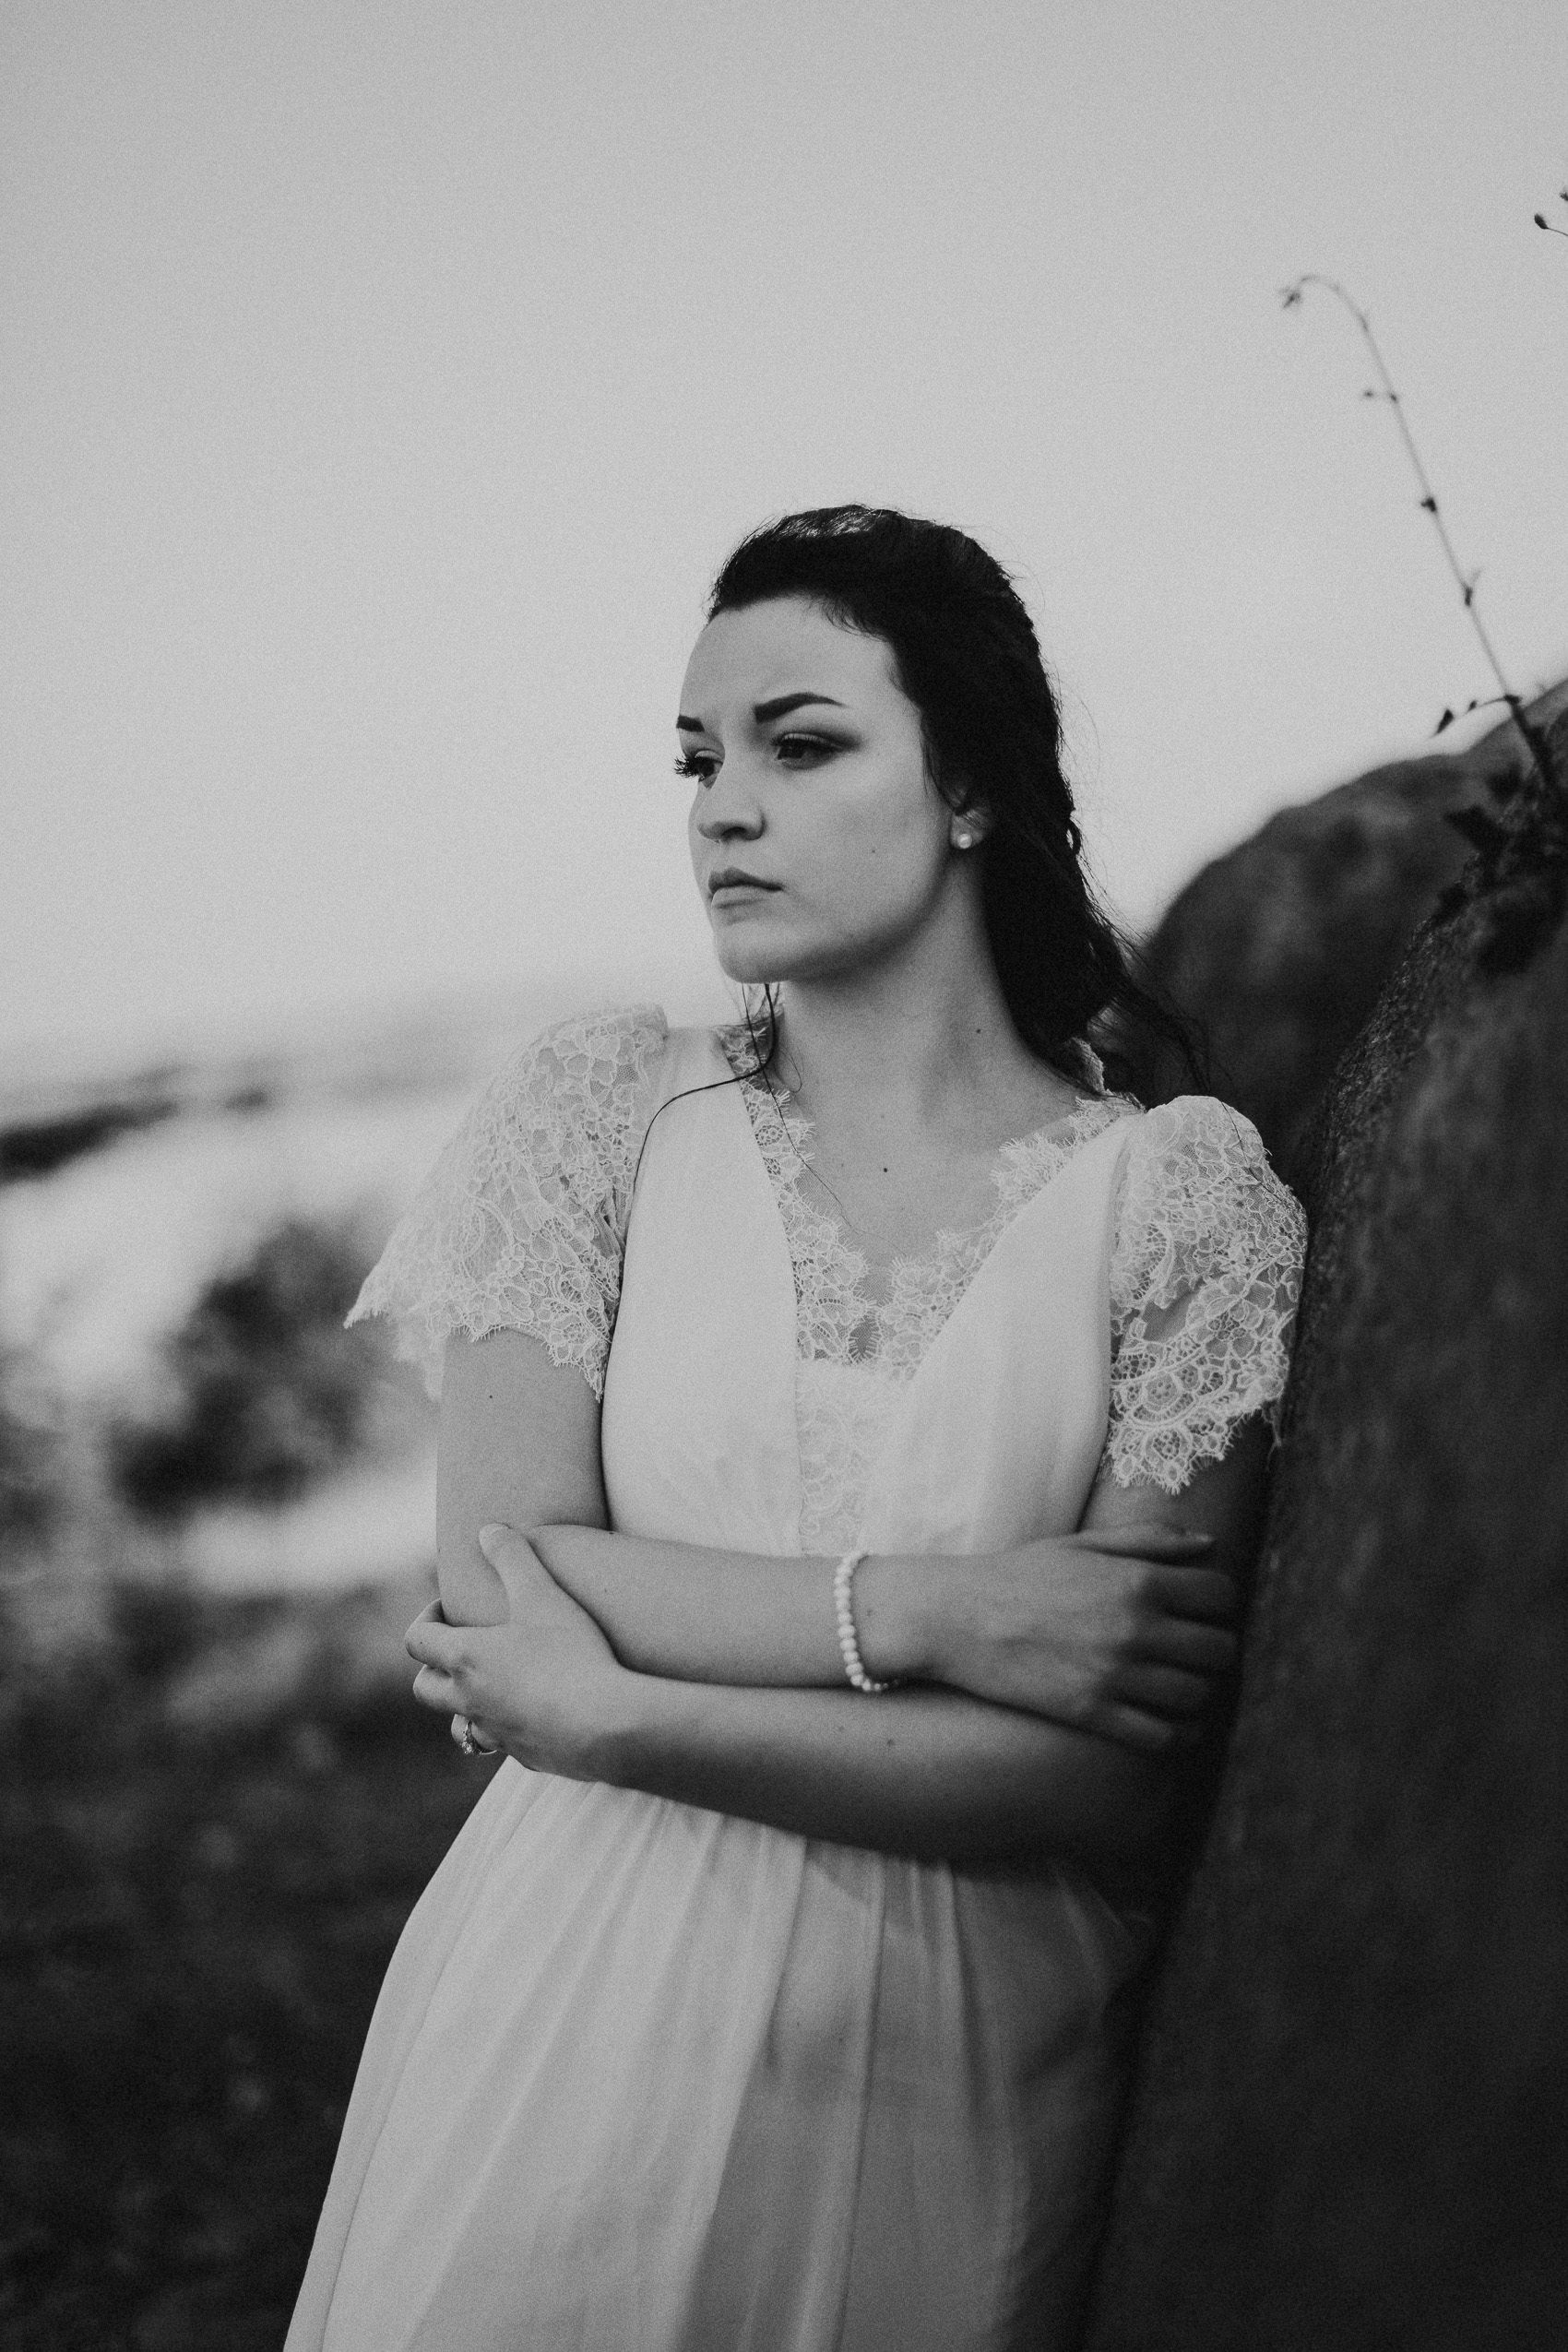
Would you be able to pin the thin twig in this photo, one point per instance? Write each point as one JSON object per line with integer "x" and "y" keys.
{"x": 1466, "y": 582}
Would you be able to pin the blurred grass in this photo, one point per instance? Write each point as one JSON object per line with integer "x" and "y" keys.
{"x": 195, "y": 1929}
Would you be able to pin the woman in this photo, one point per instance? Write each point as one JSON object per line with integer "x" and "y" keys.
{"x": 853, "y": 1427}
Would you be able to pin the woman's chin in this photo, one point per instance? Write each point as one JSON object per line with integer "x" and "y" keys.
{"x": 749, "y": 967}
{"x": 745, "y": 957}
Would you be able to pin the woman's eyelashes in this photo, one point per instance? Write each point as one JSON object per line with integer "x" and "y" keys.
{"x": 793, "y": 750}
{"x": 803, "y": 751}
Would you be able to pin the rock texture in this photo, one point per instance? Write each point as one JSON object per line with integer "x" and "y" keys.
{"x": 1350, "y": 2125}
{"x": 1281, "y": 947}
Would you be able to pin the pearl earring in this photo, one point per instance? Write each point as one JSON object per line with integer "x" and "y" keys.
{"x": 964, "y": 840}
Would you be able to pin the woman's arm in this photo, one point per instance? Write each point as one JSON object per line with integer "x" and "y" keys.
{"x": 1130, "y": 1642}
{"x": 926, "y": 1773}
{"x": 1118, "y": 1628}
{"x": 939, "y": 1775}
{"x": 920, "y": 1771}
{"x": 1115, "y": 1630}
{"x": 518, "y": 1442}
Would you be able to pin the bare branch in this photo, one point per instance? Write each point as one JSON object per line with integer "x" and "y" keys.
{"x": 1291, "y": 297}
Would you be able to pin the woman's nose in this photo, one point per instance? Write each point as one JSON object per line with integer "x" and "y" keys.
{"x": 728, "y": 814}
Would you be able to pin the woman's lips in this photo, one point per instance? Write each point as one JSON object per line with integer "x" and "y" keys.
{"x": 729, "y": 889}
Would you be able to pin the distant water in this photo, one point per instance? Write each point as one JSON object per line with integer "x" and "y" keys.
{"x": 103, "y": 1255}
{"x": 100, "y": 1258}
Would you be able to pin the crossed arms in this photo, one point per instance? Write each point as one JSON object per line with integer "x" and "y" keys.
{"x": 1049, "y": 1695}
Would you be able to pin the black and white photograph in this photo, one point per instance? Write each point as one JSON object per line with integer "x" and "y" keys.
{"x": 783, "y": 1176}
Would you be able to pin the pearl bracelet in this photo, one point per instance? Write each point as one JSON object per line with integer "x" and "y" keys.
{"x": 844, "y": 1616}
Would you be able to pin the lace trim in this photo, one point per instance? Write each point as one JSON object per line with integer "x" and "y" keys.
{"x": 837, "y": 1320}
{"x": 1204, "y": 1280}
{"x": 1206, "y": 1271}
{"x": 520, "y": 1224}
{"x": 830, "y": 1274}
{"x": 926, "y": 1289}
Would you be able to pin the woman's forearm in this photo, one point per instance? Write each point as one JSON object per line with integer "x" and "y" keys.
{"x": 930, "y": 1774}
{"x": 690, "y": 1613}
{"x": 921, "y": 1771}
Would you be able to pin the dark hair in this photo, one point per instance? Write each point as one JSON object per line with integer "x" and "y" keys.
{"x": 967, "y": 657}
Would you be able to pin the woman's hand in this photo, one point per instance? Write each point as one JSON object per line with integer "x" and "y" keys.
{"x": 543, "y": 1683}
{"x": 1120, "y": 1631}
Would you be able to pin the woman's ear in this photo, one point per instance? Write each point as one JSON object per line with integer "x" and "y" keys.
{"x": 968, "y": 829}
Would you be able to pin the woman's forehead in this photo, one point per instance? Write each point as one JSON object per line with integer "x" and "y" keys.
{"x": 786, "y": 645}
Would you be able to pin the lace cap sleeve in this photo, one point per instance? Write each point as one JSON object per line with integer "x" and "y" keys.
{"x": 521, "y": 1223}
{"x": 1204, "y": 1276}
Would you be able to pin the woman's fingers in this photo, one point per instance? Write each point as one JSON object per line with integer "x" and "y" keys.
{"x": 1151, "y": 1735}
{"x": 1206, "y": 1593}
{"x": 1164, "y": 1690}
{"x": 432, "y": 1642}
{"x": 525, "y": 1579}
{"x": 1186, "y": 1641}
{"x": 533, "y": 1597}
{"x": 505, "y": 1547}
{"x": 533, "y": 1683}
{"x": 1120, "y": 1631}
{"x": 1145, "y": 1539}
{"x": 433, "y": 1689}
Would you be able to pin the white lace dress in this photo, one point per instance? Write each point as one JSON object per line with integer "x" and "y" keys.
{"x": 645, "y": 2078}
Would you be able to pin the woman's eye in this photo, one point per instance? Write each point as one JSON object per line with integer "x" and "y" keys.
{"x": 803, "y": 751}
{"x": 699, "y": 768}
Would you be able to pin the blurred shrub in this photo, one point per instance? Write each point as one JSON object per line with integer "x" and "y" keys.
{"x": 266, "y": 1392}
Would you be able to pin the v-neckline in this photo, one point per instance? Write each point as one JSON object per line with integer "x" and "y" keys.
{"x": 935, "y": 1265}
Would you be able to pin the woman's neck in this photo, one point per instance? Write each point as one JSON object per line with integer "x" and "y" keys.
{"x": 924, "y": 1039}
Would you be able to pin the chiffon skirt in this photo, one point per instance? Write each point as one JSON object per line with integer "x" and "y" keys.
{"x": 645, "y": 2078}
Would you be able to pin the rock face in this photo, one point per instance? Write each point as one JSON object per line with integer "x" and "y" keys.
{"x": 1281, "y": 947}
{"x": 1350, "y": 2124}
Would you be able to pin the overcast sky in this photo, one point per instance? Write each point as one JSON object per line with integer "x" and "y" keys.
{"x": 384, "y": 382}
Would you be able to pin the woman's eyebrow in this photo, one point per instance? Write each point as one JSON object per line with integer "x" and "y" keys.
{"x": 762, "y": 712}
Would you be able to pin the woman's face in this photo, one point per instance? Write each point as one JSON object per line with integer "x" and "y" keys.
{"x": 818, "y": 840}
